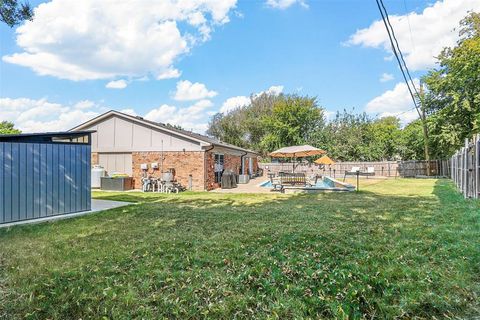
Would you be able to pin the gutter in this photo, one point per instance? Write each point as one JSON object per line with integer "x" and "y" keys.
{"x": 241, "y": 162}
{"x": 205, "y": 169}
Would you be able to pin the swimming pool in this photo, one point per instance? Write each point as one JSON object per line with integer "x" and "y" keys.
{"x": 326, "y": 183}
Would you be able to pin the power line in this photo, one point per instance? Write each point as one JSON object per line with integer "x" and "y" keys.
{"x": 402, "y": 64}
{"x": 398, "y": 48}
{"x": 394, "y": 49}
{"x": 409, "y": 25}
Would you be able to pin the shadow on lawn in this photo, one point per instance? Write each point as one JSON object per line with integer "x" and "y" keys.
{"x": 332, "y": 255}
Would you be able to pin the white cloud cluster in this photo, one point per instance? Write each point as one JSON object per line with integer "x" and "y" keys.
{"x": 189, "y": 118}
{"x": 90, "y": 39}
{"x": 234, "y": 103}
{"x": 242, "y": 101}
{"x": 187, "y": 91}
{"x": 386, "y": 77}
{"x": 284, "y": 4}
{"x": 421, "y": 36}
{"x": 395, "y": 102}
{"x": 116, "y": 84}
{"x": 42, "y": 116}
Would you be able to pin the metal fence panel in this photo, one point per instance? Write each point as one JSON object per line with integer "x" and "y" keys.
{"x": 43, "y": 179}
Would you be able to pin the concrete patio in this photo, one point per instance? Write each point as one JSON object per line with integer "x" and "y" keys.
{"x": 97, "y": 206}
{"x": 251, "y": 187}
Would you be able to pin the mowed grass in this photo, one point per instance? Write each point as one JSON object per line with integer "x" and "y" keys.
{"x": 398, "y": 249}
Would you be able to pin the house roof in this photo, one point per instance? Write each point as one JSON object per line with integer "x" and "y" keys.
{"x": 205, "y": 140}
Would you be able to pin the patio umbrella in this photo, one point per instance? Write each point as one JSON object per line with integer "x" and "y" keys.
{"x": 324, "y": 160}
{"x": 296, "y": 152}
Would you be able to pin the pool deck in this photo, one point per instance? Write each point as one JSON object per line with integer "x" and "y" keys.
{"x": 251, "y": 187}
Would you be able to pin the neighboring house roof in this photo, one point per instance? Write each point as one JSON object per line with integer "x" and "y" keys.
{"x": 204, "y": 140}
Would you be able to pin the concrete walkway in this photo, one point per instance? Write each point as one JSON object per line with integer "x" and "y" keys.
{"x": 250, "y": 187}
{"x": 97, "y": 206}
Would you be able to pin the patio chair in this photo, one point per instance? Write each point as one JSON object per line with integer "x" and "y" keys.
{"x": 275, "y": 181}
{"x": 353, "y": 172}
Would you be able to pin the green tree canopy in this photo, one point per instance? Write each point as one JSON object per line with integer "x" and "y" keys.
{"x": 294, "y": 120}
{"x": 453, "y": 96}
{"x": 12, "y": 12}
{"x": 7, "y": 127}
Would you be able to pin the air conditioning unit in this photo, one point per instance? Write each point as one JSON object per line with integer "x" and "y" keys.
{"x": 243, "y": 178}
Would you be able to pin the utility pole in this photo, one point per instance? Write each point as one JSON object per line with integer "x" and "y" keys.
{"x": 425, "y": 128}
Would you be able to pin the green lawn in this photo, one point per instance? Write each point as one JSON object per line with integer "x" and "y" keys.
{"x": 399, "y": 248}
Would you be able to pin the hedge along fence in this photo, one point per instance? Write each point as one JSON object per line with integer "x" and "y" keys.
{"x": 466, "y": 168}
{"x": 412, "y": 168}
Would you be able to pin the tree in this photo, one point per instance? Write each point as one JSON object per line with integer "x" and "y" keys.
{"x": 12, "y": 12}
{"x": 294, "y": 121}
{"x": 7, "y": 127}
{"x": 385, "y": 137}
{"x": 410, "y": 144}
{"x": 453, "y": 96}
{"x": 347, "y": 137}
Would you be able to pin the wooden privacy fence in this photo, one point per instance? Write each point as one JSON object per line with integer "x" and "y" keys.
{"x": 466, "y": 168}
{"x": 412, "y": 168}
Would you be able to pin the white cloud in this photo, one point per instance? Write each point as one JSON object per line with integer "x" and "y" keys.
{"x": 90, "y": 39}
{"x": 284, "y": 4}
{"x": 187, "y": 90}
{"x": 189, "y": 118}
{"x": 242, "y": 101}
{"x": 170, "y": 73}
{"x": 43, "y": 116}
{"x": 273, "y": 90}
{"x": 84, "y": 104}
{"x": 234, "y": 103}
{"x": 432, "y": 30}
{"x": 386, "y": 77}
{"x": 395, "y": 102}
{"x": 117, "y": 84}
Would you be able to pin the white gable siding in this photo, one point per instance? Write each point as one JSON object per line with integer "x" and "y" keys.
{"x": 116, "y": 134}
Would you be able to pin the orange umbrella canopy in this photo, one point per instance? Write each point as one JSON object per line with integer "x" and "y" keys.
{"x": 297, "y": 152}
{"x": 324, "y": 160}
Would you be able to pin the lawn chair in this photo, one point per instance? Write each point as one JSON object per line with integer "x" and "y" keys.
{"x": 353, "y": 172}
{"x": 370, "y": 171}
{"x": 312, "y": 180}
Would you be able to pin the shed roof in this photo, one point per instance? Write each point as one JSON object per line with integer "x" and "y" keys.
{"x": 187, "y": 134}
{"x": 45, "y": 137}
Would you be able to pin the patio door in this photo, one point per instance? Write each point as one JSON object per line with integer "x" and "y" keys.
{"x": 219, "y": 161}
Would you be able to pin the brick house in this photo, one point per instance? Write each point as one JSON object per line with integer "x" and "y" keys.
{"x": 122, "y": 143}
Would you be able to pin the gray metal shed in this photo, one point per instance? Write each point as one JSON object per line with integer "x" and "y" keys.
{"x": 44, "y": 174}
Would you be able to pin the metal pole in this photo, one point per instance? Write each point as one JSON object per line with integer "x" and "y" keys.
{"x": 358, "y": 184}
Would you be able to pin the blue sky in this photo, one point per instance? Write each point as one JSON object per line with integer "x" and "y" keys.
{"x": 336, "y": 51}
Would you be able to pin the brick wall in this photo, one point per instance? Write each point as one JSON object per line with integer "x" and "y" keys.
{"x": 231, "y": 162}
{"x": 184, "y": 163}
{"x": 210, "y": 171}
{"x": 255, "y": 164}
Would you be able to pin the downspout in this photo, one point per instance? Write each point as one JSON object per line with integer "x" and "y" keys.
{"x": 241, "y": 162}
{"x": 205, "y": 169}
